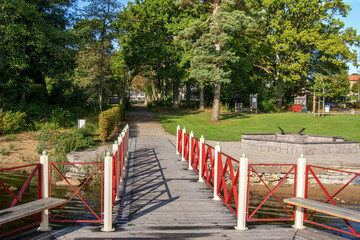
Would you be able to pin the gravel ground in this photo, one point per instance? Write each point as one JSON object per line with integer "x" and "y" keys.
{"x": 143, "y": 124}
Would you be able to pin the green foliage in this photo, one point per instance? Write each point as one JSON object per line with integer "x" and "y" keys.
{"x": 11, "y": 122}
{"x": 108, "y": 120}
{"x": 331, "y": 87}
{"x": 61, "y": 117}
{"x": 65, "y": 142}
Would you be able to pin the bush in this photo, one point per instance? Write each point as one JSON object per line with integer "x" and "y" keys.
{"x": 61, "y": 117}
{"x": 74, "y": 140}
{"x": 11, "y": 122}
{"x": 108, "y": 120}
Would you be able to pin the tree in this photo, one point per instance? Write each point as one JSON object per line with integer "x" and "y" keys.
{"x": 100, "y": 14}
{"x": 211, "y": 50}
{"x": 35, "y": 44}
{"x": 148, "y": 29}
{"x": 301, "y": 38}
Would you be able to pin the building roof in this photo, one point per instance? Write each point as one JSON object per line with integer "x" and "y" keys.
{"x": 354, "y": 77}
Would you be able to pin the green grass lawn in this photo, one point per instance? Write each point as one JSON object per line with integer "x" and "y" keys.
{"x": 231, "y": 126}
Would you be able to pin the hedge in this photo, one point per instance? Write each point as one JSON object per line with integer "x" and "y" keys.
{"x": 108, "y": 120}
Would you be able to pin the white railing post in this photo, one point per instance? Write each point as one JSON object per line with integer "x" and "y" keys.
{"x": 191, "y": 146}
{"x": 300, "y": 191}
{"x": 242, "y": 195}
{"x": 108, "y": 194}
{"x": 44, "y": 161}
{"x": 216, "y": 170}
{"x": 116, "y": 150}
{"x": 122, "y": 165}
{"x": 202, "y": 141}
{"x": 183, "y": 145}
{"x": 124, "y": 143}
{"x": 127, "y": 140}
{"x": 177, "y": 139}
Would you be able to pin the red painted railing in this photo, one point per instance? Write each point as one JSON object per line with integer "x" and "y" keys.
{"x": 311, "y": 171}
{"x": 179, "y": 140}
{"x": 115, "y": 177}
{"x": 17, "y": 198}
{"x": 55, "y": 213}
{"x": 272, "y": 193}
{"x": 228, "y": 180}
{"x": 208, "y": 165}
{"x": 195, "y": 153}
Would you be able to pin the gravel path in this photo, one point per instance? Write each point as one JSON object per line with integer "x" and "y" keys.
{"x": 144, "y": 124}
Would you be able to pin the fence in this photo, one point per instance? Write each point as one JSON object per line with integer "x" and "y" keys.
{"x": 18, "y": 198}
{"x": 230, "y": 181}
{"x": 110, "y": 174}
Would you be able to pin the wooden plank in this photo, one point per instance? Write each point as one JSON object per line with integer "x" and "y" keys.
{"x": 30, "y": 208}
{"x": 329, "y": 209}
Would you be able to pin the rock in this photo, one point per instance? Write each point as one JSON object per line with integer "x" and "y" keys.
{"x": 73, "y": 181}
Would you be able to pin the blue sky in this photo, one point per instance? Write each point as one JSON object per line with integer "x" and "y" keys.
{"x": 353, "y": 20}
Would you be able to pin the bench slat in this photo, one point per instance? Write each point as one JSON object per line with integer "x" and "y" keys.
{"x": 329, "y": 209}
{"x": 30, "y": 208}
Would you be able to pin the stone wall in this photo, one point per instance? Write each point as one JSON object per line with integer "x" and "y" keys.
{"x": 297, "y": 144}
{"x": 274, "y": 174}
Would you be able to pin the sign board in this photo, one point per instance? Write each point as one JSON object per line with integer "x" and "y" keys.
{"x": 81, "y": 123}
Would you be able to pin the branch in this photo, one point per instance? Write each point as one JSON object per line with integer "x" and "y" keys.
{"x": 263, "y": 68}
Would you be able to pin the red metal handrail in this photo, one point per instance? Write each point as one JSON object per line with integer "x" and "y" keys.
{"x": 195, "y": 154}
{"x": 271, "y": 193}
{"x": 179, "y": 141}
{"x": 330, "y": 197}
{"x": 226, "y": 172}
{"x": 208, "y": 165}
{"x": 76, "y": 193}
{"x": 186, "y": 147}
{"x": 114, "y": 176}
{"x": 17, "y": 198}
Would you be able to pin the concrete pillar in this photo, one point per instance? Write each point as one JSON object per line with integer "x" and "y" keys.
{"x": 242, "y": 195}
{"x": 216, "y": 171}
{"x": 108, "y": 194}
{"x": 300, "y": 191}
{"x": 44, "y": 161}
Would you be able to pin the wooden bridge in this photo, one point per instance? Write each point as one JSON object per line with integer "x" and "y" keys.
{"x": 161, "y": 199}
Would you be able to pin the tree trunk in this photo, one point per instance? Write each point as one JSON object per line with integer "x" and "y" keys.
{"x": 216, "y": 105}
{"x": 101, "y": 72}
{"x": 188, "y": 93}
{"x": 279, "y": 94}
{"x": 201, "y": 100}
{"x": 176, "y": 94}
{"x": 279, "y": 89}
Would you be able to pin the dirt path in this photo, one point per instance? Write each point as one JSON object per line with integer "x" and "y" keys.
{"x": 143, "y": 124}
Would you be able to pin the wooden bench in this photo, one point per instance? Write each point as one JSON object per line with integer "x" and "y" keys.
{"x": 30, "y": 208}
{"x": 329, "y": 209}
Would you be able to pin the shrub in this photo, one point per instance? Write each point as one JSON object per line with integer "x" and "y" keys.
{"x": 108, "y": 120}
{"x": 61, "y": 117}
{"x": 11, "y": 122}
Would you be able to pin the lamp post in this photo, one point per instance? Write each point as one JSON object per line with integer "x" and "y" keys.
{"x": 123, "y": 97}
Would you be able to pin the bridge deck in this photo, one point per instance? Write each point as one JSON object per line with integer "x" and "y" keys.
{"x": 163, "y": 200}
